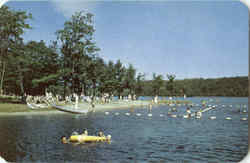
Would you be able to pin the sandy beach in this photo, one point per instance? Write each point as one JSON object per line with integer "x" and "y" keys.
{"x": 98, "y": 107}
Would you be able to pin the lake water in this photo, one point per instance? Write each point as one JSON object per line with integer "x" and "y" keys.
{"x": 156, "y": 138}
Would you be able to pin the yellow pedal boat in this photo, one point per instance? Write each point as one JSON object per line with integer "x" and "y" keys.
{"x": 87, "y": 138}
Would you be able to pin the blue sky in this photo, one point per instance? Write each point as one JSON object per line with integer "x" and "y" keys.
{"x": 188, "y": 39}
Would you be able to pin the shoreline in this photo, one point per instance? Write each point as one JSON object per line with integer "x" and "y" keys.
{"x": 98, "y": 108}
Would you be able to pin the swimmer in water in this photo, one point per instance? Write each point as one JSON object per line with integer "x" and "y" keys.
{"x": 188, "y": 112}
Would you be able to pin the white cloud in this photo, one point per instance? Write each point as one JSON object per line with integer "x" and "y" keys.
{"x": 2, "y": 2}
{"x": 69, "y": 7}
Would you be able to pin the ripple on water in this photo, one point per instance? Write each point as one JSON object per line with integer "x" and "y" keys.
{"x": 134, "y": 138}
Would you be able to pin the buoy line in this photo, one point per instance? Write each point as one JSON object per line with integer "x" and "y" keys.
{"x": 210, "y": 107}
{"x": 138, "y": 114}
{"x": 128, "y": 114}
{"x": 175, "y": 115}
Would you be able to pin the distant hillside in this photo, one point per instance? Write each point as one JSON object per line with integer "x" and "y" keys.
{"x": 232, "y": 86}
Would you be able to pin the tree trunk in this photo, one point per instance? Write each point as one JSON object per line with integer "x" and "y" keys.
{"x": 64, "y": 90}
{"x": 2, "y": 77}
{"x": 21, "y": 77}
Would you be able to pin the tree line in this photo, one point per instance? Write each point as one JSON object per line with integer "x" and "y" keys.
{"x": 230, "y": 86}
{"x": 71, "y": 64}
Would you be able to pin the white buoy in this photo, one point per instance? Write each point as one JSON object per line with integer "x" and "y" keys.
{"x": 198, "y": 117}
{"x": 243, "y": 119}
{"x": 150, "y": 115}
{"x": 228, "y": 118}
{"x": 107, "y": 113}
{"x": 117, "y": 113}
{"x": 138, "y": 114}
{"x": 161, "y": 115}
{"x": 174, "y": 116}
{"x": 127, "y": 114}
{"x": 185, "y": 116}
{"x": 212, "y": 117}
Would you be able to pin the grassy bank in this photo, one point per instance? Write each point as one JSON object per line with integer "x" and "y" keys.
{"x": 11, "y": 108}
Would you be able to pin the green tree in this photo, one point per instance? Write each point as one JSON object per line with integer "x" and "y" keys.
{"x": 170, "y": 83}
{"x": 157, "y": 84}
{"x": 34, "y": 66}
{"x": 12, "y": 26}
{"x": 120, "y": 73}
{"x": 139, "y": 84}
{"x": 129, "y": 80}
{"x": 76, "y": 40}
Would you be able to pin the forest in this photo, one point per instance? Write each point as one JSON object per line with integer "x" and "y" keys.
{"x": 72, "y": 64}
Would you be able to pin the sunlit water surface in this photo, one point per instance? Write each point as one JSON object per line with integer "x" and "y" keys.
{"x": 135, "y": 138}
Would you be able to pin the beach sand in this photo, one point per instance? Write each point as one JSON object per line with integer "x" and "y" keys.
{"x": 98, "y": 107}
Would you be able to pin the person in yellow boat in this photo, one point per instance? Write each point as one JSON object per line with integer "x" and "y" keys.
{"x": 85, "y": 133}
{"x": 85, "y": 138}
{"x": 64, "y": 140}
{"x": 101, "y": 134}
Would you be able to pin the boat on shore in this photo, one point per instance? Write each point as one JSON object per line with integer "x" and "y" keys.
{"x": 71, "y": 110}
{"x": 36, "y": 106}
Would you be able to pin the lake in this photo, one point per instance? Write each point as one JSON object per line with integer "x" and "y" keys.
{"x": 135, "y": 137}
